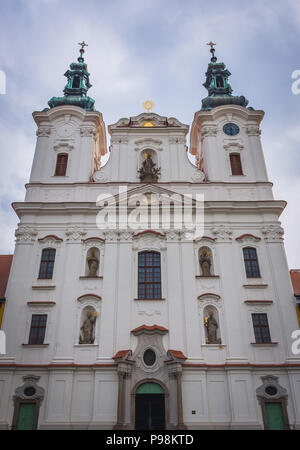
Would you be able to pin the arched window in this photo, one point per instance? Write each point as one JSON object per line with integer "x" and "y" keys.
{"x": 251, "y": 262}
{"x": 235, "y": 163}
{"x": 47, "y": 263}
{"x": 61, "y": 165}
{"x": 149, "y": 275}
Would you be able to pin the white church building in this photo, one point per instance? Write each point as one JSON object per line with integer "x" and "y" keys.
{"x": 149, "y": 292}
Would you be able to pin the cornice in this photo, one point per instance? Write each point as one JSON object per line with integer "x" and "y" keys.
{"x": 271, "y": 206}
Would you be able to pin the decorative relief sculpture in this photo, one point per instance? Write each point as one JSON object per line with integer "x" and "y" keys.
{"x": 209, "y": 131}
{"x": 148, "y": 172}
{"x": 43, "y": 132}
{"x": 273, "y": 233}
{"x": 253, "y": 130}
{"x": 222, "y": 233}
{"x": 88, "y": 132}
{"x": 74, "y": 233}
{"x": 25, "y": 234}
{"x": 87, "y": 330}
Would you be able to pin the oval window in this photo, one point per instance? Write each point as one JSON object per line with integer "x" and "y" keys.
{"x": 271, "y": 390}
{"x": 149, "y": 357}
{"x": 29, "y": 391}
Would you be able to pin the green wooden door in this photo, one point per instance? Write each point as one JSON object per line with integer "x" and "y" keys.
{"x": 275, "y": 420}
{"x": 26, "y": 416}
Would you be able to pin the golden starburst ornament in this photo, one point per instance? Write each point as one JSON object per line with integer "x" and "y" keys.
{"x": 148, "y": 105}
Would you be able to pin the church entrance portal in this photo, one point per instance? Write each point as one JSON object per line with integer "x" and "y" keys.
{"x": 150, "y": 407}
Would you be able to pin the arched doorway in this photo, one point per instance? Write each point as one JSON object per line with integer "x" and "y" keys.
{"x": 150, "y": 407}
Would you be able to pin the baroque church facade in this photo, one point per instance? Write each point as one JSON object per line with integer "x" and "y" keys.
{"x": 119, "y": 313}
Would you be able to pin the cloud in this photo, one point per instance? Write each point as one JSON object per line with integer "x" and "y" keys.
{"x": 156, "y": 50}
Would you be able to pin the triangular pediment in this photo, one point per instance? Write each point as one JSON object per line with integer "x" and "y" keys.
{"x": 146, "y": 191}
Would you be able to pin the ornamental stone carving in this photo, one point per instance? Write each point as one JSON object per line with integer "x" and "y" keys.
{"x": 88, "y": 132}
{"x": 253, "y": 130}
{"x": 233, "y": 146}
{"x": 209, "y": 131}
{"x": 273, "y": 233}
{"x": 275, "y": 393}
{"x": 198, "y": 176}
{"x": 174, "y": 235}
{"x": 222, "y": 233}
{"x": 43, "y": 132}
{"x": 148, "y": 143}
{"x": 75, "y": 233}
{"x": 177, "y": 140}
{"x": 119, "y": 140}
{"x": 25, "y": 234}
{"x": 29, "y": 390}
{"x": 111, "y": 235}
{"x": 100, "y": 177}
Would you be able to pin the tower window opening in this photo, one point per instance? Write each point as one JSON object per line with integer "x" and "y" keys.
{"x": 219, "y": 81}
{"x": 61, "y": 165}
{"x": 76, "y": 83}
{"x": 236, "y": 164}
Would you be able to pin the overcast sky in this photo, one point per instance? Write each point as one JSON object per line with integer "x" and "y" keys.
{"x": 156, "y": 50}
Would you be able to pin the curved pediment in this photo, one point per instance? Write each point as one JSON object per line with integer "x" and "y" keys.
{"x": 148, "y": 120}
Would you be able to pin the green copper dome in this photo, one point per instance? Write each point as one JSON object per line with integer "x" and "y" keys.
{"x": 77, "y": 86}
{"x": 219, "y": 90}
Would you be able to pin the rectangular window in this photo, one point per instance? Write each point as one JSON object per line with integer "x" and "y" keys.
{"x": 251, "y": 262}
{"x": 261, "y": 328}
{"x": 47, "y": 263}
{"x": 149, "y": 278}
{"x": 236, "y": 165}
{"x": 37, "y": 329}
{"x": 61, "y": 165}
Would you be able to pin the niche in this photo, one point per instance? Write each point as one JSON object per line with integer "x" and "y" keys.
{"x": 212, "y": 325}
{"x": 92, "y": 262}
{"x": 87, "y": 325}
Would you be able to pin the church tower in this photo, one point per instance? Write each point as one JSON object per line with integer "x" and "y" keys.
{"x": 149, "y": 292}
{"x": 71, "y": 136}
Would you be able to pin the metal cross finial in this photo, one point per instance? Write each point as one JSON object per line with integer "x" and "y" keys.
{"x": 83, "y": 44}
{"x": 211, "y": 45}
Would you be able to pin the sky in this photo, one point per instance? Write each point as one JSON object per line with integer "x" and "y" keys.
{"x": 155, "y": 50}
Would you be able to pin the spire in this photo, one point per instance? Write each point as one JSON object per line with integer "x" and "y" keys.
{"x": 219, "y": 90}
{"x": 77, "y": 86}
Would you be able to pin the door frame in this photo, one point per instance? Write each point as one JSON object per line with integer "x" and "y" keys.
{"x": 133, "y": 397}
{"x": 18, "y": 403}
{"x": 283, "y": 402}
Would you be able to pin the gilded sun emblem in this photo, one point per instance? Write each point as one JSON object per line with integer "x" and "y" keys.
{"x": 148, "y": 105}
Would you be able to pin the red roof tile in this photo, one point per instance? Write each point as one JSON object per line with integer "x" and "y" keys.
{"x": 295, "y": 277}
{"x": 5, "y": 264}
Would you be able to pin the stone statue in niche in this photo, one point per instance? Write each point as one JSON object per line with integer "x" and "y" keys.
{"x": 148, "y": 172}
{"x": 205, "y": 262}
{"x": 211, "y": 327}
{"x": 87, "y": 330}
{"x": 93, "y": 263}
